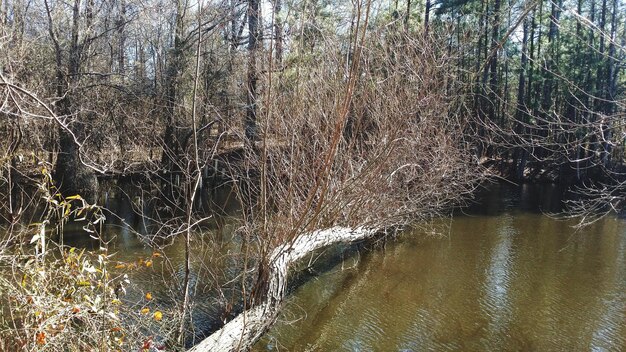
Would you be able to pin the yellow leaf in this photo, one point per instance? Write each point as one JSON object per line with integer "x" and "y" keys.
{"x": 120, "y": 266}
{"x": 74, "y": 197}
{"x": 158, "y": 316}
{"x": 80, "y": 255}
{"x": 145, "y": 311}
{"x": 156, "y": 254}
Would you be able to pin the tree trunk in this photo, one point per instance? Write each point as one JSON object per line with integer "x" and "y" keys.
{"x": 529, "y": 95}
{"x": 71, "y": 175}
{"x": 522, "y": 110}
{"x": 278, "y": 32}
{"x": 610, "y": 90}
{"x": 171, "y": 143}
{"x": 600, "y": 84}
{"x": 427, "y": 15}
{"x": 407, "y": 16}
{"x": 121, "y": 34}
{"x": 3, "y": 15}
{"x": 588, "y": 96}
{"x": 493, "y": 63}
{"x": 245, "y": 329}
{"x": 250, "y": 124}
{"x": 550, "y": 66}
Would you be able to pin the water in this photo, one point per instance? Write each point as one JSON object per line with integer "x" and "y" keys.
{"x": 216, "y": 255}
{"x": 499, "y": 276}
{"x": 502, "y": 277}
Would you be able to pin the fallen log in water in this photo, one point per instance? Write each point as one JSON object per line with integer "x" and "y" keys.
{"x": 245, "y": 329}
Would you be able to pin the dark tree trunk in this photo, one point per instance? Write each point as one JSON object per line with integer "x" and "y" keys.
{"x": 481, "y": 55}
{"x": 171, "y": 143}
{"x": 601, "y": 59}
{"x": 589, "y": 88}
{"x": 522, "y": 110}
{"x": 610, "y": 90}
{"x": 251, "y": 109}
{"x": 427, "y": 15}
{"x": 549, "y": 87}
{"x": 71, "y": 174}
{"x": 493, "y": 61}
{"x": 407, "y": 16}
{"x": 529, "y": 95}
{"x": 172, "y": 146}
{"x": 121, "y": 38}
{"x": 278, "y": 32}
{"x": 140, "y": 63}
{"x": 552, "y": 56}
{"x": 491, "y": 72}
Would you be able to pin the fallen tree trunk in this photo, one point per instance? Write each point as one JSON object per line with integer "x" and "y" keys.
{"x": 248, "y": 327}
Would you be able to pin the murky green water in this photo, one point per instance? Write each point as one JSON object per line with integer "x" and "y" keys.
{"x": 505, "y": 278}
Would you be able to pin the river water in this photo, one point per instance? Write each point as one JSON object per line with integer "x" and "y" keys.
{"x": 498, "y": 276}
{"x": 503, "y": 276}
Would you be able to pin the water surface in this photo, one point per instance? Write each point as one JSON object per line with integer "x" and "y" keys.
{"x": 503, "y": 277}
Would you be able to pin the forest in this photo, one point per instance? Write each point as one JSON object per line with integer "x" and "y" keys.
{"x": 328, "y": 121}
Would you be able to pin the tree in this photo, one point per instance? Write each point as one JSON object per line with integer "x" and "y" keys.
{"x": 345, "y": 125}
{"x": 250, "y": 125}
{"x": 366, "y": 164}
{"x": 73, "y": 175}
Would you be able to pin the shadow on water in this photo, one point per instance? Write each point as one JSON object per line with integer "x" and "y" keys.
{"x": 498, "y": 198}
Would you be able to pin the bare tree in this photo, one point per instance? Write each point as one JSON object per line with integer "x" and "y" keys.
{"x": 350, "y": 155}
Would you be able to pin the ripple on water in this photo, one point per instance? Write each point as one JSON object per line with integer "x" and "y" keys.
{"x": 514, "y": 281}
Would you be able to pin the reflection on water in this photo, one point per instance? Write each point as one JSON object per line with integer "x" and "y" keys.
{"x": 216, "y": 254}
{"x": 506, "y": 278}
{"x": 499, "y": 275}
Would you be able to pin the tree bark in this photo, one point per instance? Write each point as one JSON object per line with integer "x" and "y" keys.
{"x": 493, "y": 64}
{"x": 427, "y": 15}
{"x": 71, "y": 175}
{"x": 278, "y": 32}
{"x": 250, "y": 124}
{"x": 549, "y": 85}
{"x": 121, "y": 54}
{"x": 610, "y": 90}
{"x": 522, "y": 110}
{"x": 171, "y": 142}
{"x": 247, "y": 328}
{"x": 407, "y": 16}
